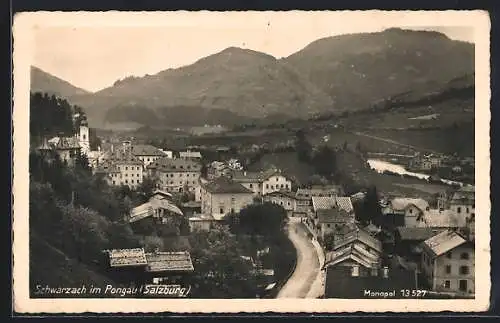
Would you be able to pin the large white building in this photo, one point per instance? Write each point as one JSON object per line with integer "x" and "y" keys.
{"x": 177, "y": 174}
{"x": 262, "y": 183}
{"x": 223, "y": 196}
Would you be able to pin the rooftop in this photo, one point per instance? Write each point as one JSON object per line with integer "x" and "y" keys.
{"x": 189, "y": 154}
{"x": 169, "y": 261}
{"x": 443, "y": 242}
{"x": 146, "y": 150}
{"x": 166, "y": 164}
{"x": 310, "y": 192}
{"x": 401, "y": 203}
{"x": 224, "y": 185}
{"x": 416, "y": 234}
{"x": 435, "y": 218}
{"x": 244, "y": 176}
{"x": 127, "y": 257}
{"x": 352, "y": 253}
{"x": 361, "y": 236}
{"x": 334, "y": 216}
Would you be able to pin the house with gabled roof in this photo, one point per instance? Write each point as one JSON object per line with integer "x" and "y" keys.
{"x": 405, "y": 211}
{"x": 357, "y": 248}
{"x": 147, "y": 153}
{"x": 264, "y": 182}
{"x": 223, "y": 196}
{"x": 448, "y": 263}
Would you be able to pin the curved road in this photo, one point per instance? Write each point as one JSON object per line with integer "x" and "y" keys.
{"x": 307, "y": 269}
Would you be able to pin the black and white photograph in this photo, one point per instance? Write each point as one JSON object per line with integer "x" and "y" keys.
{"x": 288, "y": 160}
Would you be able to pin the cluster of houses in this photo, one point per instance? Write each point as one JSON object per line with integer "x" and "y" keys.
{"x": 412, "y": 245}
{"x": 68, "y": 148}
{"x": 428, "y": 162}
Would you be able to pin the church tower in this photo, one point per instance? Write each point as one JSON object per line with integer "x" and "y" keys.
{"x": 84, "y": 139}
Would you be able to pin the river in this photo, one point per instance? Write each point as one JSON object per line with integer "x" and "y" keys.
{"x": 381, "y": 166}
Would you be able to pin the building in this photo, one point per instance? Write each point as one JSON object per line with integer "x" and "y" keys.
{"x": 403, "y": 211}
{"x": 159, "y": 208}
{"x": 408, "y": 241}
{"x": 190, "y": 154}
{"x": 223, "y": 196}
{"x": 262, "y": 183}
{"x": 351, "y": 283}
{"x": 304, "y": 196}
{"x": 176, "y": 175}
{"x": 148, "y": 266}
{"x": 218, "y": 169}
{"x": 357, "y": 249}
{"x": 147, "y": 153}
{"x": 122, "y": 169}
{"x": 201, "y": 223}
{"x": 167, "y": 153}
{"x": 442, "y": 219}
{"x": 329, "y": 214}
{"x": 448, "y": 263}
{"x": 284, "y": 198}
{"x": 463, "y": 201}
{"x": 67, "y": 148}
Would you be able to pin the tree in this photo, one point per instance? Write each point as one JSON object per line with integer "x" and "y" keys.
{"x": 220, "y": 271}
{"x": 369, "y": 210}
{"x": 325, "y": 162}
{"x": 303, "y": 147}
{"x": 266, "y": 219}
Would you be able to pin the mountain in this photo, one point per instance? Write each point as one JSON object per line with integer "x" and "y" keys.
{"x": 42, "y": 81}
{"x": 359, "y": 70}
{"x": 330, "y": 75}
{"x": 244, "y": 82}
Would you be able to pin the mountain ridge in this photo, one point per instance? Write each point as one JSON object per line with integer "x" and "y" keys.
{"x": 331, "y": 74}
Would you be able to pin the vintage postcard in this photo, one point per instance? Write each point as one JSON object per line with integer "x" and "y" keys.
{"x": 225, "y": 162}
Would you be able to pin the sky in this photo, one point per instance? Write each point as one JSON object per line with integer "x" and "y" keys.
{"x": 93, "y": 56}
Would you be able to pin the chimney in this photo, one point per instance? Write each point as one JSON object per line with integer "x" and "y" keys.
{"x": 385, "y": 272}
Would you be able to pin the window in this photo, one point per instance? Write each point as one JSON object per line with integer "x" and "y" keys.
{"x": 464, "y": 255}
{"x": 132, "y": 181}
{"x": 286, "y": 186}
{"x": 126, "y": 181}
{"x": 221, "y": 211}
{"x": 281, "y": 203}
{"x": 126, "y": 175}
{"x": 233, "y": 200}
{"x": 281, "y": 185}
{"x": 126, "y": 167}
{"x": 411, "y": 211}
{"x": 462, "y": 285}
{"x": 328, "y": 225}
{"x": 180, "y": 175}
{"x": 272, "y": 187}
{"x": 447, "y": 284}
{"x": 459, "y": 209}
{"x": 448, "y": 255}
{"x": 288, "y": 203}
{"x": 251, "y": 185}
{"x": 448, "y": 269}
{"x": 189, "y": 167}
{"x": 187, "y": 175}
{"x": 267, "y": 185}
{"x": 171, "y": 182}
{"x": 194, "y": 182}
{"x": 171, "y": 175}
{"x": 276, "y": 179}
{"x": 464, "y": 270}
{"x": 114, "y": 182}
{"x": 182, "y": 167}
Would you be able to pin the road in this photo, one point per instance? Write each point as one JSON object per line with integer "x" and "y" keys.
{"x": 307, "y": 269}
{"x": 393, "y": 142}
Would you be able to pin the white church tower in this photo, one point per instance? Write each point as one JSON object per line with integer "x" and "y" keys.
{"x": 84, "y": 139}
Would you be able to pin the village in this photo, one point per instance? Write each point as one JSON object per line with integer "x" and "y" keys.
{"x": 406, "y": 245}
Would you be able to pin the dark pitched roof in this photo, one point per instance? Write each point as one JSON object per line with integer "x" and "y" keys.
{"x": 340, "y": 283}
{"x": 146, "y": 150}
{"x": 416, "y": 234}
{"x": 169, "y": 261}
{"x": 223, "y": 185}
{"x": 240, "y": 176}
{"x": 166, "y": 164}
{"x": 334, "y": 216}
